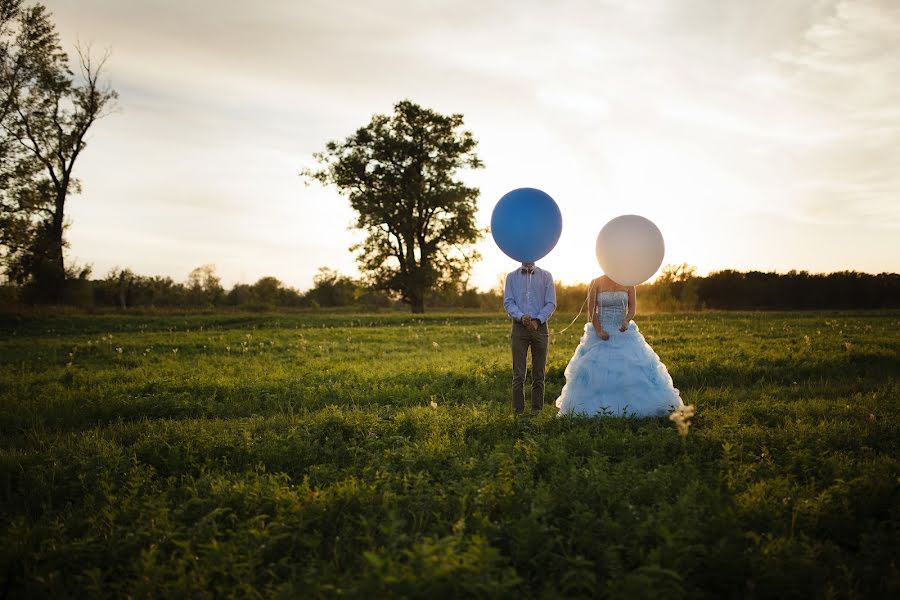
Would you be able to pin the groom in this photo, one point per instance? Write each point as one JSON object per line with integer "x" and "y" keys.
{"x": 529, "y": 300}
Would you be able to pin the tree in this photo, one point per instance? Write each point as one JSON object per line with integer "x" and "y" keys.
{"x": 268, "y": 292}
{"x": 330, "y": 288}
{"x": 675, "y": 288}
{"x": 399, "y": 175}
{"x": 24, "y": 39}
{"x": 204, "y": 288}
{"x": 47, "y": 112}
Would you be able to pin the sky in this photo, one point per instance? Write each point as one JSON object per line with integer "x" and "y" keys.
{"x": 756, "y": 135}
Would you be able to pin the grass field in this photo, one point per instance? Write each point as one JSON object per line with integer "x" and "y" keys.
{"x": 376, "y": 455}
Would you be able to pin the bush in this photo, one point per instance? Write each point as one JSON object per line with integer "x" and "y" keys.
{"x": 79, "y": 293}
{"x": 9, "y": 297}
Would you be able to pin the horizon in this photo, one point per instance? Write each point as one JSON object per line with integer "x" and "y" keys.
{"x": 562, "y": 284}
{"x": 753, "y": 136}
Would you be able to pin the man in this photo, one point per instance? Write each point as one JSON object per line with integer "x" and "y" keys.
{"x": 529, "y": 300}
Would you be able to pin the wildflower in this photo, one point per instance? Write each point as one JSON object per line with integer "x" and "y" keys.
{"x": 435, "y": 344}
{"x": 478, "y": 336}
{"x": 119, "y": 350}
{"x": 432, "y": 404}
{"x": 174, "y": 350}
{"x": 227, "y": 348}
{"x": 682, "y": 418}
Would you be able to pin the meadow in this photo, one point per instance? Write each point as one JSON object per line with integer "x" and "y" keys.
{"x": 322, "y": 455}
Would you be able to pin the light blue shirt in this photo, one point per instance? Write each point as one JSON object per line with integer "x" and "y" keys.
{"x": 529, "y": 294}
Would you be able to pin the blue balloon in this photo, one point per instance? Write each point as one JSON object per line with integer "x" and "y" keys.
{"x": 526, "y": 224}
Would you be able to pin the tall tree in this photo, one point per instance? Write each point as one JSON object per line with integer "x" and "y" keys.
{"x": 47, "y": 112}
{"x": 22, "y": 41}
{"x": 399, "y": 173}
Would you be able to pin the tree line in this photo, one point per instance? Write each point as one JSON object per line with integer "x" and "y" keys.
{"x": 124, "y": 290}
{"x": 677, "y": 288}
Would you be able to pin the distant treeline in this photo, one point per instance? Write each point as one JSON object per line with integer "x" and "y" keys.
{"x": 126, "y": 290}
{"x": 733, "y": 290}
{"x": 678, "y": 287}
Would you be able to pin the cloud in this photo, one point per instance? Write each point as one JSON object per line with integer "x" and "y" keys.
{"x": 844, "y": 72}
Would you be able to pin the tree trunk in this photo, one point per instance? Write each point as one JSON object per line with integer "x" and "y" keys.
{"x": 122, "y": 295}
{"x": 419, "y": 286}
{"x": 55, "y": 249}
{"x": 417, "y": 301}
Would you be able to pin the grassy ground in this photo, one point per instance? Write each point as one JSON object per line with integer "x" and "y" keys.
{"x": 353, "y": 455}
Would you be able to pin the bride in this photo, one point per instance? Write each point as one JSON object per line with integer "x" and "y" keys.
{"x": 614, "y": 371}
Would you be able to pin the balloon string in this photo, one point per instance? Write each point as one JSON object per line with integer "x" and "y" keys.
{"x": 590, "y": 287}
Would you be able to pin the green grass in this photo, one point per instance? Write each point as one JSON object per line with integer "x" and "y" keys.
{"x": 302, "y": 455}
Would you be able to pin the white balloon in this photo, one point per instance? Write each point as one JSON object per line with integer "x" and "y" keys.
{"x": 630, "y": 249}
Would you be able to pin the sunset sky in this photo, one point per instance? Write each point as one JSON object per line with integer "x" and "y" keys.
{"x": 756, "y": 135}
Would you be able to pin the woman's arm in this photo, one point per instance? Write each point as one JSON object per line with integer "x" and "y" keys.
{"x": 592, "y": 310}
{"x": 592, "y": 302}
{"x": 632, "y": 308}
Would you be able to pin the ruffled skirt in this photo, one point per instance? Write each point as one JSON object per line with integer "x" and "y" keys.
{"x": 622, "y": 376}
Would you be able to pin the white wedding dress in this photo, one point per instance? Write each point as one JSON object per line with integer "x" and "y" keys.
{"x": 622, "y": 376}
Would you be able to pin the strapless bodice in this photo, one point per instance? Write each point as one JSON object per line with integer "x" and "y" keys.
{"x": 611, "y": 308}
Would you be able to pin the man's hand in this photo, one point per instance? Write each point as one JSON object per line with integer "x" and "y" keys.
{"x": 534, "y": 324}
{"x": 526, "y": 321}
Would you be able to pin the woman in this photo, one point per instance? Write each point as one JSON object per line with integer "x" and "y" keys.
{"x": 614, "y": 371}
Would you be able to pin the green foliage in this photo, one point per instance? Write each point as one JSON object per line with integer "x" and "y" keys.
{"x": 678, "y": 287}
{"x": 330, "y": 288}
{"x": 799, "y": 290}
{"x": 674, "y": 289}
{"x": 375, "y": 455}
{"x": 399, "y": 175}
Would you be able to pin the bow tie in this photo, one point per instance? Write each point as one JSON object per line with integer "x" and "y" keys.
{"x": 527, "y": 270}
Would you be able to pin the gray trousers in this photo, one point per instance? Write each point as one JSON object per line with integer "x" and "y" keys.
{"x": 538, "y": 341}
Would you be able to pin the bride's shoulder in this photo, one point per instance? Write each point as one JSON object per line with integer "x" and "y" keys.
{"x": 605, "y": 284}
